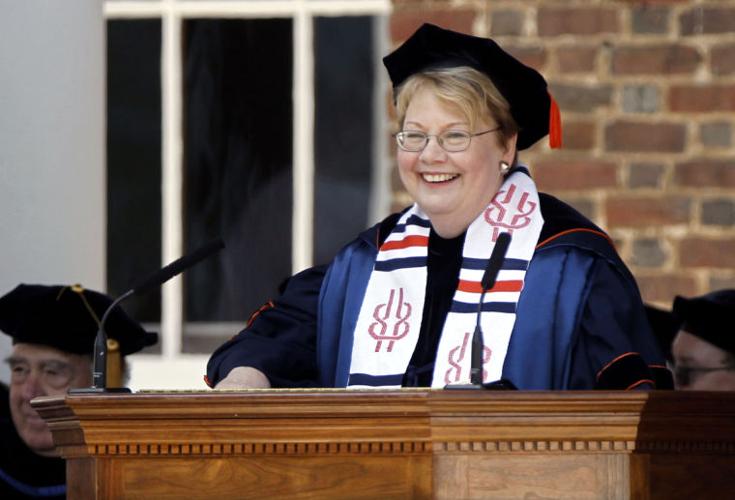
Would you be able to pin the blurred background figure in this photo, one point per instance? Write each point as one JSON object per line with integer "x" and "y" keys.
{"x": 665, "y": 326}
{"x": 53, "y": 330}
{"x": 704, "y": 348}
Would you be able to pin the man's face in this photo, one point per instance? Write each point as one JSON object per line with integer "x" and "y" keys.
{"x": 38, "y": 370}
{"x": 701, "y": 366}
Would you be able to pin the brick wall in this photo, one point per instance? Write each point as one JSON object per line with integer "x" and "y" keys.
{"x": 647, "y": 94}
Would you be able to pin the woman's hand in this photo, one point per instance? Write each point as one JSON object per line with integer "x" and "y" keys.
{"x": 244, "y": 377}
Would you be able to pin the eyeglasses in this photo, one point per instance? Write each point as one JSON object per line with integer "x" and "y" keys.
{"x": 452, "y": 141}
{"x": 55, "y": 374}
{"x": 683, "y": 374}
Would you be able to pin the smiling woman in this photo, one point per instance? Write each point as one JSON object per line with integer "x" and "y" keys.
{"x": 449, "y": 177}
{"x": 396, "y": 307}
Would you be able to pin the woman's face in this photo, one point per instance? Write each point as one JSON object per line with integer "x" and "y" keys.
{"x": 451, "y": 188}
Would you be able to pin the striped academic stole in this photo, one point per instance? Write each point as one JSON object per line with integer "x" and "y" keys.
{"x": 388, "y": 325}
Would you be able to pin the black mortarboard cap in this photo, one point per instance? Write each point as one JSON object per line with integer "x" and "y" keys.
{"x": 665, "y": 326}
{"x": 710, "y": 317}
{"x": 67, "y": 318}
{"x": 531, "y": 105}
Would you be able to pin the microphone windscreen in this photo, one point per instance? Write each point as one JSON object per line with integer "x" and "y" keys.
{"x": 178, "y": 266}
{"x": 496, "y": 261}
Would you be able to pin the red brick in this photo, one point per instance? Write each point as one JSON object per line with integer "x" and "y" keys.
{"x": 648, "y": 2}
{"x": 707, "y": 21}
{"x": 576, "y": 59}
{"x": 705, "y": 173}
{"x": 560, "y": 175}
{"x": 718, "y": 212}
{"x": 630, "y": 211}
{"x": 646, "y": 175}
{"x": 649, "y": 20}
{"x": 404, "y": 22}
{"x": 716, "y": 134}
{"x": 586, "y": 206}
{"x": 663, "y": 288}
{"x": 723, "y": 59}
{"x": 655, "y": 60}
{"x": 707, "y": 252}
{"x": 530, "y": 56}
{"x": 645, "y": 137}
{"x": 648, "y": 252}
{"x": 506, "y": 22}
{"x": 554, "y": 21}
{"x": 581, "y": 98}
{"x": 720, "y": 281}
{"x": 702, "y": 98}
{"x": 579, "y": 135}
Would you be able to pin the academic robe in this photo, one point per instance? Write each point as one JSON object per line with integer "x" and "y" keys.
{"x": 580, "y": 320}
{"x": 23, "y": 474}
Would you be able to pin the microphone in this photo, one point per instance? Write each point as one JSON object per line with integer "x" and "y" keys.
{"x": 178, "y": 266}
{"x": 488, "y": 281}
{"x": 99, "y": 366}
{"x": 496, "y": 261}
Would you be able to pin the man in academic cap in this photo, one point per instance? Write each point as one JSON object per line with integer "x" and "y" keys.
{"x": 704, "y": 348}
{"x": 399, "y": 304}
{"x": 665, "y": 326}
{"x": 53, "y": 330}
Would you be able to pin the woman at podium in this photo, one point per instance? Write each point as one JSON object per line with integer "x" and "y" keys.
{"x": 480, "y": 254}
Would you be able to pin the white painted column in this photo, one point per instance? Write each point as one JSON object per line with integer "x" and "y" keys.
{"x": 303, "y": 134}
{"x": 52, "y": 145}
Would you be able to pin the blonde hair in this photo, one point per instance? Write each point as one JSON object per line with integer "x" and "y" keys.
{"x": 469, "y": 90}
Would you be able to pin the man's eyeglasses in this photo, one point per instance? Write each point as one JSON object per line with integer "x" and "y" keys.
{"x": 452, "y": 141}
{"x": 684, "y": 374}
{"x": 55, "y": 374}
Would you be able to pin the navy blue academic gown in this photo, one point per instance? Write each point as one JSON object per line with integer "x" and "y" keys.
{"x": 23, "y": 474}
{"x": 580, "y": 320}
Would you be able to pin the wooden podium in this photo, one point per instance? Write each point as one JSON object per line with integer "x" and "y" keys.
{"x": 396, "y": 444}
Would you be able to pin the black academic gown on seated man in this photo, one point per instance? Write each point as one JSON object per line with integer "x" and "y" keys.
{"x": 24, "y": 474}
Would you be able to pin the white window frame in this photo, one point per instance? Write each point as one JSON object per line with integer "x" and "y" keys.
{"x": 184, "y": 371}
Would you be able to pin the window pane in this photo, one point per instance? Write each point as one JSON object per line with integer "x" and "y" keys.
{"x": 344, "y": 69}
{"x": 134, "y": 160}
{"x": 238, "y": 162}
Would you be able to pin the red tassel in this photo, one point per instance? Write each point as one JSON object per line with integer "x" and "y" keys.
{"x": 554, "y": 124}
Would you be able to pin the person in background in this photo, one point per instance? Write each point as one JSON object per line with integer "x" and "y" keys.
{"x": 665, "y": 326}
{"x": 53, "y": 330}
{"x": 704, "y": 347}
{"x": 398, "y": 305}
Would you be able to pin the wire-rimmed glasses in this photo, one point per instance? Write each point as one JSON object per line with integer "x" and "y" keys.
{"x": 452, "y": 141}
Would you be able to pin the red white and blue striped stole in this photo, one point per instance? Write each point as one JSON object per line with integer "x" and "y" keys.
{"x": 388, "y": 326}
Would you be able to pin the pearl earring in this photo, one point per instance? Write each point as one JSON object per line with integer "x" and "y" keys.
{"x": 504, "y": 167}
